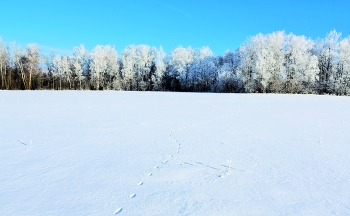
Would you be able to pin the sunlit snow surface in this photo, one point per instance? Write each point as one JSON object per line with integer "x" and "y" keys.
{"x": 145, "y": 153}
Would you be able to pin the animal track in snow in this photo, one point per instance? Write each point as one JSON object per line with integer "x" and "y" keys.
{"x": 222, "y": 175}
{"x": 20, "y": 141}
{"x": 118, "y": 211}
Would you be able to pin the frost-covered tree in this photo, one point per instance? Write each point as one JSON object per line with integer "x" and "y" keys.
{"x": 51, "y": 69}
{"x": 160, "y": 66}
{"x": 246, "y": 54}
{"x": 112, "y": 70}
{"x": 32, "y": 55}
{"x": 98, "y": 67}
{"x": 104, "y": 68}
{"x": 79, "y": 63}
{"x": 327, "y": 51}
{"x": 66, "y": 70}
{"x": 204, "y": 52}
{"x": 180, "y": 62}
{"x": 4, "y": 63}
{"x": 20, "y": 61}
{"x": 261, "y": 62}
{"x": 57, "y": 71}
{"x": 229, "y": 78}
{"x": 342, "y": 85}
{"x": 63, "y": 71}
{"x": 137, "y": 67}
{"x": 144, "y": 64}
{"x": 203, "y": 71}
{"x": 269, "y": 61}
{"x": 27, "y": 62}
{"x": 300, "y": 65}
{"x": 128, "y": 71}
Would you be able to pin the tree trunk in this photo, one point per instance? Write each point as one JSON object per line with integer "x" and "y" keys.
{"x": 30, "y": 80}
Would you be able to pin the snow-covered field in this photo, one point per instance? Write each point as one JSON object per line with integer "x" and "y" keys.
{"x": 145, "y": 153}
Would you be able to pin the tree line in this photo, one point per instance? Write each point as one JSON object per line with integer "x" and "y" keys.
{"x": 270, "y": 63}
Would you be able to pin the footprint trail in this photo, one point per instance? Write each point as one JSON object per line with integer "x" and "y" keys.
{"x": 171, "y": 156}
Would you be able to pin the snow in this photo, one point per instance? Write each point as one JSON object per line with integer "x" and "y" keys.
{"x": 147, "y": 153}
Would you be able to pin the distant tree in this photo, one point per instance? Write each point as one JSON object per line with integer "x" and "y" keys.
{"x": 67, "y": 70}
{"x": 112, "y": 69}
{"x": 204, "y": 52}
{"x": 160, "y": 65}
{"x": 246, "y": 69}
{"x": 128, "y": 71}
{"x": 98, "y": 67}
{"x": 50, "y": 69}
{"x": 261, "y": 63}
{"x": 269, "y": 61}
{"x": 20, "y": 62}
{"x": 342, "y": 85}
{"x": 230, "y": 79}
{"x": 79, "y": 63}
{"x": 63, "y": 71}
{"x": 138, "y": 67}
{"x": 4, "y": 64}
{"x": 145, "y": 60}
{"x": 180, "y": 62}
{"x": 327, "y": 51}
{"x": 32, "y": 56}
{"x": 300, "y": 65}
{"x": 203, "y": 71}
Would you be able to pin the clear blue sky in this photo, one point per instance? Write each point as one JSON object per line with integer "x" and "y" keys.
{"x": 219, "y": 24}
